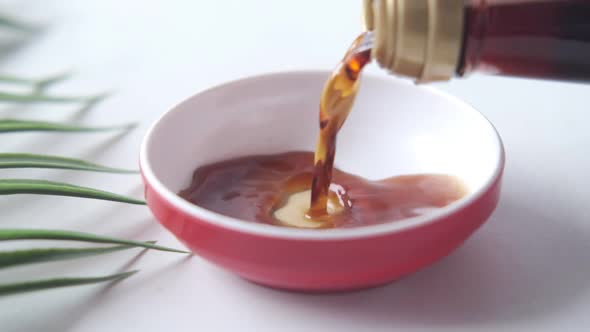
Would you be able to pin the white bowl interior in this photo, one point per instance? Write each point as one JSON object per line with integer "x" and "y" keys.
{"x": 396, "y": 128}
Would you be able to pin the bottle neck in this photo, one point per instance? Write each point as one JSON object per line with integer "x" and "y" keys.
{"x": 421, "y": 39}
{"x": 435, "y": 40}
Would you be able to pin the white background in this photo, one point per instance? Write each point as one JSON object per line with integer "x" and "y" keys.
{"x": 527, "y": 268}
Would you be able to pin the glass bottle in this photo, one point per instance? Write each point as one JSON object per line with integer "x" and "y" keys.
{"x": 435, "y": 40}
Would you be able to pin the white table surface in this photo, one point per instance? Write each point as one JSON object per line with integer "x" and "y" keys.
{"x": 527, "y": 269}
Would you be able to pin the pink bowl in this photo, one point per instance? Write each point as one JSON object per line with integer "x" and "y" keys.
{"x": 396, "y": 128}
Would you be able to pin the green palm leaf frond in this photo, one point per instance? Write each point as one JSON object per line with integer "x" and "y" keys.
{"x": 42, "y": 187}
{"x": 31, "y": 92}
{"x": 25, "y": 160}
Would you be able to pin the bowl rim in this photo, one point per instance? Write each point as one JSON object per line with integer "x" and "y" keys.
{"x": 235, "y": 224}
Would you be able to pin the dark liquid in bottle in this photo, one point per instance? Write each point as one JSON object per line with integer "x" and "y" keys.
{"x": 255, "y": 188}
{"x": 533, "y": 38}
{"x": 300, "y": 189}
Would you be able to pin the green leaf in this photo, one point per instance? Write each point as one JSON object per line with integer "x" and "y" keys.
{"x": 16, "y": 80}
{"x": 24, "y": 160}
{"x": 40, "y": 98}
{"x": 30, "y": 256}
{"x": 44, "y": 83}
{"x": 30, "y": 286}
{"x": 13, "y": 125}
{"x": 42, "y": 187}
{"x": 12, "y": 23}
{"x": 50, "y": 234}
{"x": 38, "y": 86}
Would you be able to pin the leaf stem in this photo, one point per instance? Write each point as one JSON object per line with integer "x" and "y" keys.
{"x": 29, "y": 286}
{"x": 24, "y": 160}
{"x": 42, "y": 187}
{"x": 40, "y": 98}
{"x": 50, "y": 234}
{"x": 40, "y": 255}
{"x": 14, "y": 125}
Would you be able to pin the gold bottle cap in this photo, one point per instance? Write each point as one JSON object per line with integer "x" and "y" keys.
{"x": 416, "y": 38}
